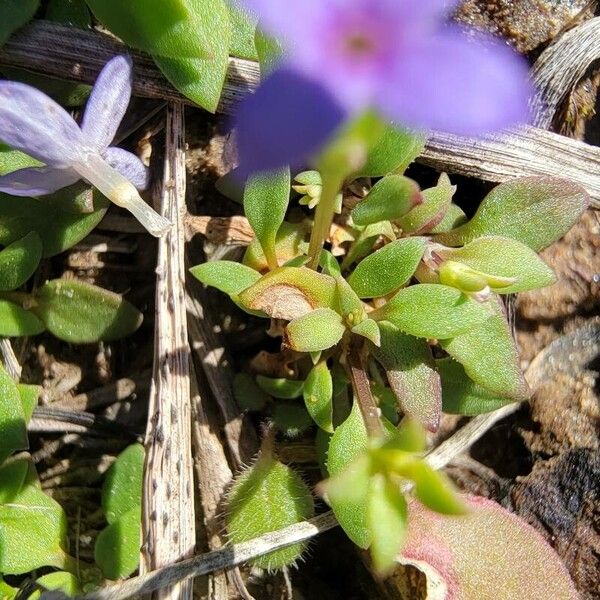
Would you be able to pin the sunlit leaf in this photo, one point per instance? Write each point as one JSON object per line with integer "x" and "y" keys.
{"x": 318, "y": 396}
{"x": 368, "y": 329}
{"x": 314, "y": 331}
{"x": 432, "y": 311}
{"x": 19, "y": 260}
{"x": 533, "y": 210}
{"x": 243, "y": 29}
{"x": 412, "y": 375}
{"x": 60, "y": 581}
{"x": 461, "y": 395}
{"x": 347, "y": 303}
{"x": 389, "y": 199}
{"x": 29, "y": 398}
{"x": 230, "y": 277}
{"x": 13, "y": 431}
{"x": 15, "y": 321}
{"x": 514, "y": 562}
{"x": 122, "y": 487}
{"x": 81, "y": 313}
{"x": 387, "y": 269}
{"x": 455, "y": 217}
{"x": 266, "y": 497}
{"x": 489, "y": 355}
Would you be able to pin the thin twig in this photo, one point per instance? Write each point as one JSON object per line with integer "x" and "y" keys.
{"x": 10, "y": 360}
{"x": 168, "y": 500}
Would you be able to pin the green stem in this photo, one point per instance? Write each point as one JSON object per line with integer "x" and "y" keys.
{"x": 323, "y": 218}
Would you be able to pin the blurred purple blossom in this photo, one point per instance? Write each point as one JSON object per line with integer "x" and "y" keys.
{"x": 396, "y": 56}
{"x": 32, "y": 122}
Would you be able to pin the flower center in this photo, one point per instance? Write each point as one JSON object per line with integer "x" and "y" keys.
{"x": 359, "y": 44}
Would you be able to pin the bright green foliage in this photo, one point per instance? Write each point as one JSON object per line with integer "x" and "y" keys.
{"x": 226, "y": 275}
{"x": 412, "y": 375}
{"x": 58, "y": 229}
{"x": 15, "y": 14}
{"x": 489, "y": 355}
{"x": 390, "y": 198}
{"x": 269, "y": 51}
{"x": 432, "y": 311}
{"x": 329, "y": 264}
{"x": 266, "y": 497}
{"x": 505, "y": 257}
{"x": 13, "y": 431}
{"x": 368, "y": 329}
{"x": 280, "y": 387}
{"x": 81, "y": 313}
{"x": 291, "y": 418}
{"x": 122, "y": 488}
{"x": 289, "y": 292}
{"x": 247, "y": 393}
{"x": 29, "y": 397}
{"x": 7, "y": 592}
{"x": 348, "y": 304}
{"x": 387, "y": 520}
{"x": 533, "y": 210}
{"x": 392, "y": 153}
{"x": 117, "y": 549}
{"x": 173, "y": 28}
{"x": 61, "y": 581}
{"x": 15, "y": 321}
{"x": 315, "y": 331}
{"x": 387, "y": 269}
{"x": 453, "y": 218}
{"x": 461, "y": 395}
{"x": 366, "y": 240}
{"x": 318, "y": 396}
{"x": 468, "y": 280}
{"x": 436, "y": 203}
{"x": 32, "y": 528}
{"x": 243, "y": 29}
{"x": 19, "y": 260}
{"x": 266, "y": 199}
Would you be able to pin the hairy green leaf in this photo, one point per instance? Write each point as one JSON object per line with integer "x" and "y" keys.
{"x": 368, "y": 329}
{"x": 389, "y": 199}
{"x": 318, "y": 396}
{"x": 533, "y": 210}
{"x": 243, "y": 29}
{"x": 81, "y": 313}
{"x": 19, "y": 260}
{"x": 315, "y": 331}
{"x": 387, "y": 269}
{"x": 227, "y": 276}
{"x": 15, "y": 321}
{"x": 13, "y": 431}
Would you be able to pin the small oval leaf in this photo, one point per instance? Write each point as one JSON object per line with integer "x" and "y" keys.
{"x": 315, "y": 331}
{"x": 19, "y": 260}
{"x": 285, "y": 389}
{"x": 228, "y": 276}
{"x": 318, "y": 396}
{"x": 15, "y": 321}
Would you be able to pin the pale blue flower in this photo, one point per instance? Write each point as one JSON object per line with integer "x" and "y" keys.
{"x": 32, "y": 122}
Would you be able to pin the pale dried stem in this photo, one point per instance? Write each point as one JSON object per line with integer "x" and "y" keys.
{"x": 79, "y": 55}
{"x": 10, "y": 360}
{"x": 168, "y": 494}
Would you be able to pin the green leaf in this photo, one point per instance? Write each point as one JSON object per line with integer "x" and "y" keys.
{"x": 226, "y": 275}
{"x": 58, "y": 229}
{"x": 266, "y": 199}
{"x": 318, "y": 396}
{"x": 386, "y": 520}
{"x": 455, "y": 217}
{"x": 317, "y": 330}
{"x": 243, "y": 29}
{"x": 247, "y": 393}
{"x": 366, "y": 240}
{"x": 504, "y": 257}
{"x": 60, "y": 581}
{"x": 329, "y": 264}
{"x": 15, "y": 321}
{"x": 117, "y": 549}
{"x": 267, "y": 497}
{"x": 81, "y": 313}
{"x": 368, "y": 329}
{"x": 269, "y": 50}
{"x": 387, "y": 269}
{"x": 393, "y": 152}
{"x": 171, "y": 28}
{"x": 7, "y": 592}
{"x": 13, "y": 476}
{"x": 33, "y": 521}
{"x": 15, "y": 14}
{"x": 29, "y": 398}
{"x": 348, "y": 304}
{"x": 122, "y": 487}
{"x": 461, "y": 395}
{"x": 19, "y": 260}
{"x": 69, "y": 12}
{"x": 533, "y": 210}
{"x": 347, "y": 496}
{"x": 426, "y": 216}
{"x": 389, "y": 199}
{"x": 282, "y": 388}
{"x": 412, "y": 375}
{"x": 289, "y": 292}
{"x": 291, "y": 419}
{"x": 489, "y": 355}
{"x": 13, "y": 431}
{"x": 432, "y": 311}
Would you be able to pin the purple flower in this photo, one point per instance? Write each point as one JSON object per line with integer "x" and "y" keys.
{"x": 395, "y": 56}
{"x": 32, "y": 122}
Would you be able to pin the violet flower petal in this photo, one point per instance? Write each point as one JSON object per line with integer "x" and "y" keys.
{"x": 287, "y": 119}
{"x": 108, "y": 102}
{"x": 32, "y": 122}
{"x": 458, "y": 85}
{"x": 129, "y": 165}
{"x": 37, "y": 181}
